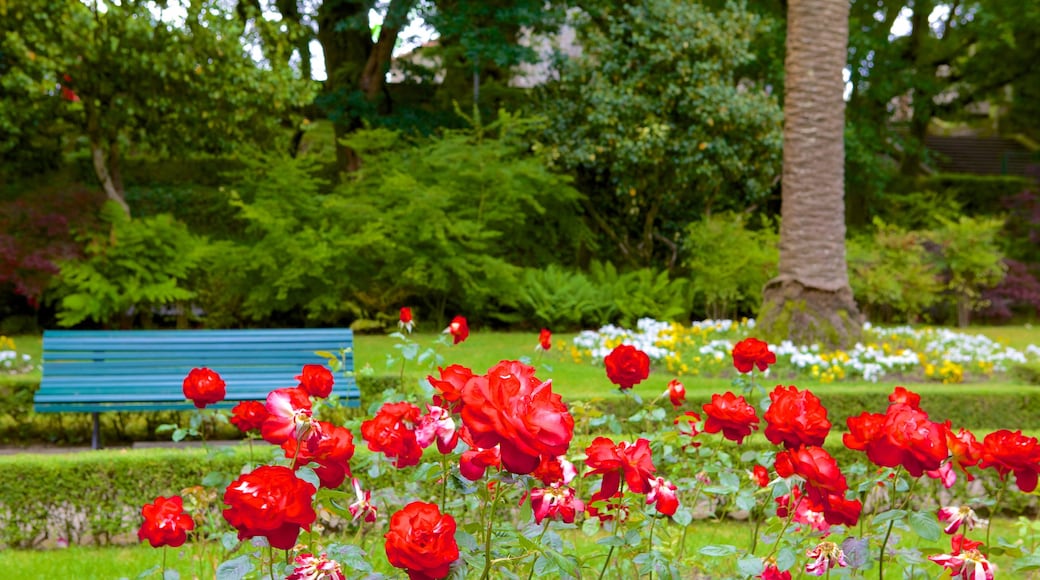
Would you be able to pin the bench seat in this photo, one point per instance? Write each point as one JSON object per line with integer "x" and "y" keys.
{"x": 144, "y": 370}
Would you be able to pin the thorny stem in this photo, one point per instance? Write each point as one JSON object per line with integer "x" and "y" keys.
{"x": 650, "y": 543}
{"x": 545, "y": 528}
{"x": 487, "y": 538}
{"x": 993, "y": 513}
{"x": 617, "y": 528}
{"x": 906, "y": 500}
{"x": 444, "y": 482}
{"x": 270, "y": 555}
{"x": 164, "y": 562}
{"x": 787, "y": 523}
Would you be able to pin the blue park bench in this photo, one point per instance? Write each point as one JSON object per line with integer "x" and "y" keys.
{"x": 94, "y": 371}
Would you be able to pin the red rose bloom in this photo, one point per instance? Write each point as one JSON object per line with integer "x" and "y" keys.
{"x": 773, "y": 573}
{"x": 750, "y": 353}
{"x": 450, "y": 385}
{"x": 627, "y": 366}
{"x": 965, "y": 450}
{"x": 545, "y": 340}
{"x": 474, "y": 462}
{"x": 813, "y": 464}
{"x": 902, "y": 395}
{"x": 392, "y": 432}
{"x": 406, "y": 322}
{"x": 556, "y": 503}
{"x": 458, "y": 329}
{"x": 662, "y": 494}
{"x": 249, "y": 416}
{"x": 289, "y": 415}
{"x": 676, "y": 393}
{"x": 511, "y": 408}
{"x": 730, "y": 414}
{"x": 165, "y": 523}
{"x": 421, "y": 541}
{"x": 902, "y": 436}
{"x": 328, "y": 445}
{"x": 795, "y": 418}
{"x": 1008, "y": 451}
{"x": 204, "y": 387}
{"x": 270, "y": 501}
{"x": 760, "y": 475}
{"x": 633, "y": 462}
{"x": 316, "y": 380}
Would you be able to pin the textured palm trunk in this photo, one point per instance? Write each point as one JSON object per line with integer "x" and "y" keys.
{"x": 810, "y": 300}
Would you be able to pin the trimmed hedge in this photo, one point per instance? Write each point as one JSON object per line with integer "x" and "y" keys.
{"x": 96, "y": 497}
{"x": 977, "y": 194}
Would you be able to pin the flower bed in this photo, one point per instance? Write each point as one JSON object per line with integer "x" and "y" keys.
{"x": 484, "y": 480}
{"x": 703, "y": 349}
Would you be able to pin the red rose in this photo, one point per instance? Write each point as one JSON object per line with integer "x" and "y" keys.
{"x": 474, "y": 462}
{"x": 902, "y": 436}
{"x": 676, "y": 393}
{"x": 249, "y": 416}
{"x": 513, "y": 409}
{"x": 627, "y": 366}
{"x": 555, "y": 470}
{"x": 270, "y": 501}
{"x": 165, "y": 523}
{"x": 909, "y": 398}
{"x": 795, "y": 418}
{"x": 662, "y": 494}
{"x": 771, "y": 572}
{"x": 450, "y": 386}
{"x": 730, "y": 414}
{"x": 813, "y": 464}
{"x": 392, "y": 432}
{"x": 328, "y": 445}
{"x": 965, "y": 450}
{"x": 1008, "y": 451}
{"x": 406, "y": 321}
{"x": 289, "y": 415}
{"x": 760, "y": 475}
{"x": 633, "y": 462}
{"x": 421, "y": 540}
{"x": 545, "y": 340}
{"x": 556, "y": 503}
{"x": 316, "y": 380}
{"x": 750, "y": 353}
{"x": 458, "y": 329}
{"x": 863, "y": 430}
{"x": 204, "y": 387}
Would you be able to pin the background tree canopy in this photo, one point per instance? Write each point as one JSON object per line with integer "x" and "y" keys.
{"x": 642, "y": 147}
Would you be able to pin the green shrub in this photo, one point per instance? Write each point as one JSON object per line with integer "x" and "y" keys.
{"x": 977, "y": 195}
{"x": 557, "y": 298}
{"x": 1027, "y": 372}
{"x": 96, "y": 497}
{"x": 136, "y": 266}
{"x": 729, "y": 263}
{"x": 639, "y": 294}
{"x": 892, "y": 274}
{"x": 971, "y": 260}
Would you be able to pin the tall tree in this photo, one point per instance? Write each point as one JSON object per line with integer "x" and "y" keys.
{"x": 810, "y": 300}
{"x": 127, "y": 79}
{"x": 658, "y": 124}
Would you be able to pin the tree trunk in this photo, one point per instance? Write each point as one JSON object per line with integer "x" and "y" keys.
{"x": 810, "y": 300}
{"x": 355, "y": 65}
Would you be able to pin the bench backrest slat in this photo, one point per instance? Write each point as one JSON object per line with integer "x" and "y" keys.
{"x": 97, "y": 371}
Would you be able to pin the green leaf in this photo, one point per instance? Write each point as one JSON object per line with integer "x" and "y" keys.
{"x": 786, "y": 558}
{"x": 235, "y": 569}
{"x": 926, "y": 525}
{"x": 179, "y": 434}
{"x": 750, "y": 566}
{"x": 888, "y": 516}
{"x": 217, "y": 479}
{"x": 718, "y": 551}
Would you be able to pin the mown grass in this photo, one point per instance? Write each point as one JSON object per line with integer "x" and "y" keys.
{"x": 199, "y": 561}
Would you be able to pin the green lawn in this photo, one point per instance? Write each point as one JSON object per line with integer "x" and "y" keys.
{"x": 105, "y": 563}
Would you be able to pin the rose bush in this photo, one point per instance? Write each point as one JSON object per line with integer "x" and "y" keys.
{"x": 499, "y": 495}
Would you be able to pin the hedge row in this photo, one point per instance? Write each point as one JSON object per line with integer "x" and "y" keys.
{"x": 96, "y": 497}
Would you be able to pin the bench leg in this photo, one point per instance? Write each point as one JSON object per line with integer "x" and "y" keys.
{"x": 95, "y": 437}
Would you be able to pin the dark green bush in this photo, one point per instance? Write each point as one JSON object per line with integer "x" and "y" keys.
{"x": 96, "y": 497}
{"x": 976, "y": 194}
